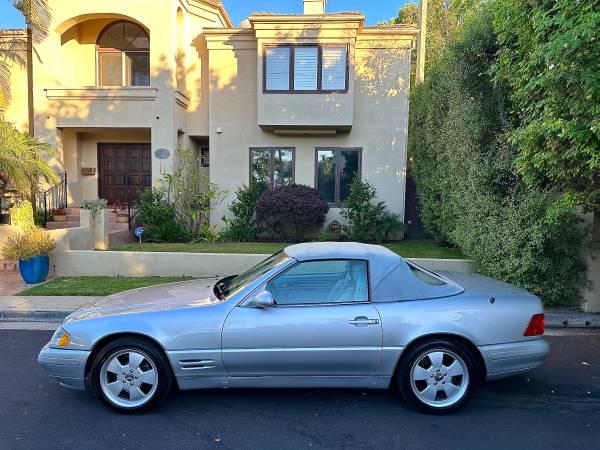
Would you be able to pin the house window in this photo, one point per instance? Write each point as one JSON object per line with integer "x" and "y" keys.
{"x": 123, "y": 55}
{"x": 306, "y": 68}
{"x": 272, "y": 167}
{"x": 204, "y": 157}
{"x": 336, "y": 168}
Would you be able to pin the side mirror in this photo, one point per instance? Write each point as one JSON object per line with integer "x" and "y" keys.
{"x": 264, "y": 300}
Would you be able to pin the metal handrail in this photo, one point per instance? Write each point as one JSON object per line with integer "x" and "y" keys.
{"x": 56, "y": 197}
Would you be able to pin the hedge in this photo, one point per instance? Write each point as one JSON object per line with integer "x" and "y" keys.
{"x": 471, "y": 192}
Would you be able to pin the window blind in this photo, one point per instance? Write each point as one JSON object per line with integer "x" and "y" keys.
{"x": 278, "y": 68}
{"x": 306, "y": 62}
{"x": 334, "y": 68}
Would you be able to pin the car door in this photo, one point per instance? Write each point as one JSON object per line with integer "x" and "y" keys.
{"x": 322, "y": 324}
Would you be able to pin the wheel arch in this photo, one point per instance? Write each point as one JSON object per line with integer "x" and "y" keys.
{"x": 466, "y": 342}
{"x": 105, "y": 340}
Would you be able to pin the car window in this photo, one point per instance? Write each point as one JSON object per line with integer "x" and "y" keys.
{"x": 312, "y": 282}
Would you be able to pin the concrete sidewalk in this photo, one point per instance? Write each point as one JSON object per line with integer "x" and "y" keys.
{"x": 55, "y": 309}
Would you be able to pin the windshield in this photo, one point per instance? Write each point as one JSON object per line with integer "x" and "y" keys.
{"x": 228, "y": 286}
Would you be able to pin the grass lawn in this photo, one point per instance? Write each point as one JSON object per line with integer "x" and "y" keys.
{"x": 412, "y": 248}
{"x": 96, "y": 286}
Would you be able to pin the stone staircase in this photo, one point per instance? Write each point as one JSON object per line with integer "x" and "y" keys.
{"x": 118, "y": 232}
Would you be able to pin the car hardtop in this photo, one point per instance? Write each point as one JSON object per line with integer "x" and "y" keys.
{"x": 391, "y": 277}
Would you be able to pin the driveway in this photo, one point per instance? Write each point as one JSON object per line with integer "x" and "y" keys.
{"x": 555, "y": 407}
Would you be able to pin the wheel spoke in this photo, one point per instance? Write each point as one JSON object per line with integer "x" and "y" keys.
{"x": 429, "y": 392}
{"x": 135, "y": 359}
{"x": 148, "y": 377}
{"x": 135, "y": 394}
{"x": 436, "y": 359}
{"x": 454, "y": 369}
{"x": 450, "y": 390}
{"x": 115, "y": 388}
{"x": 420, "y": 374}
{"x": 115, "y": 367}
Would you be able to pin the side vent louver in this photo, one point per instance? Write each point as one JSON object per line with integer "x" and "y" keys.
{"x": 196, "y": 364}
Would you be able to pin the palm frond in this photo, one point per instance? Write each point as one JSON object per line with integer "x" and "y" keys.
{"x": 37, "y": 14}
{"x": 23, "y": 160}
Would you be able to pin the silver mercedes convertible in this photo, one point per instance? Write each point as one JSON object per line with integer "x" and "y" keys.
{"x": 315, "y": 315}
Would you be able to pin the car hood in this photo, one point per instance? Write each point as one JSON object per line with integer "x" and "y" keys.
{"x": 157, "y": 298}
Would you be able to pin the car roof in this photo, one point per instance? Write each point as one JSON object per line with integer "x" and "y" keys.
{"x": 390, "y": 276}
{"x": 381, "y": 260}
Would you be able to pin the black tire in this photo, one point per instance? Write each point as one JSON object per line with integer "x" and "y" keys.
{"x": 152, "y": 354}
{"x": 416, "y": 354}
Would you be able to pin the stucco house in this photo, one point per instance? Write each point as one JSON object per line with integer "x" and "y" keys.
{"x": 313, "y": 98}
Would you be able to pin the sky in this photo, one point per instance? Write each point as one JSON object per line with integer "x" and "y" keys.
{"x": 375, "y": 10}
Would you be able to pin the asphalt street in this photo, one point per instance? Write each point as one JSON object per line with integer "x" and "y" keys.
{"x": 554, "y": 407}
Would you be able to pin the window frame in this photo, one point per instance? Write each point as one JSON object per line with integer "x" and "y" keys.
{"x": 123, "y": 53}
{"x": 272, "y": 164}
{"x": 263, "y": 286}
{"x": 337, "y": 152}
{"x": 319, "y": 89}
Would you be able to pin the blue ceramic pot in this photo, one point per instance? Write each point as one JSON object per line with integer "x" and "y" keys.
{"x": 34, "y": 270}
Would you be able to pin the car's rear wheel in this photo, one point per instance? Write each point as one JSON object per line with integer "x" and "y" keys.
{"x": 438, "y": 376}
{"x": 130, "y": 375}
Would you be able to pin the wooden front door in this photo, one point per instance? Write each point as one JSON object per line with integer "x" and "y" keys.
{"x": 124, "y": 171}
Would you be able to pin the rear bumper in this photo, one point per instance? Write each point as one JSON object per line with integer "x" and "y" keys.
{"x": 505, "y": 360}
{"x": 67, "y": 366}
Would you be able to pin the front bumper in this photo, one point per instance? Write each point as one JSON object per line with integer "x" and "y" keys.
{"x": 67, "y": 366}
{"x": 505, "y": 360}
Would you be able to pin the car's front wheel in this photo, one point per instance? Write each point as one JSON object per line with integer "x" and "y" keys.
{"x": 130, "y": 375}
{"x": 438, "y": 376}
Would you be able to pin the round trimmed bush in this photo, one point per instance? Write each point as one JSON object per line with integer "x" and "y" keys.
{"x": 291, "y": 213}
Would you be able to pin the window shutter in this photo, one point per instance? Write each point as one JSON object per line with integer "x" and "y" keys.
{"x": 334, "y": 68}
{"x": 306, "y": 61}
{"x": 278, "y": 68}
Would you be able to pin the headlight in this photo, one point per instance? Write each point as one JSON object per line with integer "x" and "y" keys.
{"x": 60, "y": 339}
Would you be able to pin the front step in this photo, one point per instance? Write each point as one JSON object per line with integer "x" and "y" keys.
{"x": 61, "y": 225}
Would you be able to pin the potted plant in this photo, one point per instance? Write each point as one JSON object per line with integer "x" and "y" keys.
{"x": 59, "y": 214}
{"x": 120, "y": 210}
{"x": 31, "y": 249}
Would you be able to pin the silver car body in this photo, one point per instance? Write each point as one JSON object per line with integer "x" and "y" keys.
{"x": 232, "y": 343}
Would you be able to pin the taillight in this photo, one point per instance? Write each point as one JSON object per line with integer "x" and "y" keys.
{"x": 536, "y": 326}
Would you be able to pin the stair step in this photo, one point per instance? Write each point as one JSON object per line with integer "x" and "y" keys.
{"x": 118, "y": 226}
{"x": 61, "y": 225}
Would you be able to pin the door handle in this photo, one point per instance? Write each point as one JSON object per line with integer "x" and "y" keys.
{"x": 363, "y": 321}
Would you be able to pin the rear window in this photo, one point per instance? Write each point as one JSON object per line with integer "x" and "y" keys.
{"x": 425, "y": 277}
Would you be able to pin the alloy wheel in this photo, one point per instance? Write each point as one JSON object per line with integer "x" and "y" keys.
{"x": 129, "y": 378}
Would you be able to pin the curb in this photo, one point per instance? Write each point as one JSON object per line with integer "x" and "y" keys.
{"x": 33, "y": 316}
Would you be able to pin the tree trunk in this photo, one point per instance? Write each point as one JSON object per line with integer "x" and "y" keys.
{"x": 30, "y": 80}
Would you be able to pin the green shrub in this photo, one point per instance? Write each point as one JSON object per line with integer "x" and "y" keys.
{"x": 291, "y": 213}
{"x": 190, "y": 193}
{"x": 368, "y": 220}
{"x": 159, "y": 218}
{"x": 242, "y": 226}
{"x": 470, "y": 188}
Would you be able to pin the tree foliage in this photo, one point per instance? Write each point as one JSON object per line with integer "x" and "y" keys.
{"x": 548, "y": 55}
{"x": 13, "y": 46}
{"x": 472, "y": 194}
{"x": 23, "y": 161}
